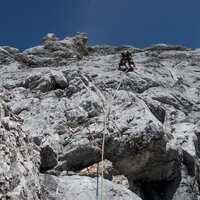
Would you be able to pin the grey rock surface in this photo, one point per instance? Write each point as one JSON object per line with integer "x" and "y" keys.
{"x": 79, "y": 188}
{"x": 61, "y": 89}
{"x": 19, "y": 159}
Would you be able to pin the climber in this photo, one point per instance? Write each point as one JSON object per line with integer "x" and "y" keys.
{"x": 126, "y": 62}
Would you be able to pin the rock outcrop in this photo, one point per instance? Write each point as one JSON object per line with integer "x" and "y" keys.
{"x": 58, "y": 99}
{"x": 19, "y": 159}
{"x": 76, "y": 187}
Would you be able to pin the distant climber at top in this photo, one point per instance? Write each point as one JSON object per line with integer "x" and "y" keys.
{"x": 126, "y": 62}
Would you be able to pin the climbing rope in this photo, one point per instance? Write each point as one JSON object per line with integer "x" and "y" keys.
{"x": 98, "y": 149}
{"x": 97, "y": 192}
{"x": 106, "y": 120}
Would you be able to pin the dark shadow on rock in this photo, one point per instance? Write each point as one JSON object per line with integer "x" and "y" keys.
{"x": 157, "y": 190}
{"x": 158, "y": 111}
{"x": 48, "y": 158}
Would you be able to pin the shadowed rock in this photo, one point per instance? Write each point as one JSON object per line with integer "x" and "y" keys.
{"x": 48, "y": 158}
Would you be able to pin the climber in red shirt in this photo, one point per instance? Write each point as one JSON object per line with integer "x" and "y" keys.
{"x": 126, "y": 62}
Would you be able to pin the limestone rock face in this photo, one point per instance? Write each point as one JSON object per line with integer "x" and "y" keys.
{"x": 19, "y": 159}
{"x": 57, "y": 99}
{"x": 7, "y": 55}
{"x": 76, "y": 187}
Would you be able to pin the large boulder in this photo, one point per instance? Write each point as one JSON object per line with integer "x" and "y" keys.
{"x": 59, "y": 79}
{"x": 79, "y": 188}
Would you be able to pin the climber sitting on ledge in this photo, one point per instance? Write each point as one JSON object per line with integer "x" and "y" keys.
{"x": 126, "y": 62}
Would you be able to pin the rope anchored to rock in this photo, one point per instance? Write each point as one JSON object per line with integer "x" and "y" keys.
{"x": 102, "y": 149}
{"x": 106, "y": 121}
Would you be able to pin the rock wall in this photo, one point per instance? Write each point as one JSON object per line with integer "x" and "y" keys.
{"x": 54, "y": 99}
{"x": 19, "y": 159}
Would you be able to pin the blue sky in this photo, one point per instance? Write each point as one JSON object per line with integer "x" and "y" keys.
{"x": 139, "y": 23}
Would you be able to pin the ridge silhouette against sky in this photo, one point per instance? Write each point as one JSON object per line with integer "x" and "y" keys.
{"x": 139, "y": 23}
